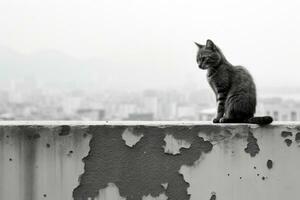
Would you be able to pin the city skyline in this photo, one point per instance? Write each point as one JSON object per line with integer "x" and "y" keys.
{"x": 191, "y": 105}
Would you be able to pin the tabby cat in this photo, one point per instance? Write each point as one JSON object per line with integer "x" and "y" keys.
{"x": 233, "y": 86}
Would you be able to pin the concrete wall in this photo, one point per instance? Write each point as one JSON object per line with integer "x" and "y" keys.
{"x": 143, "y": 160}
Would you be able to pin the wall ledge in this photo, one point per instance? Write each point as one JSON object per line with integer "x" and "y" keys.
{"x": 145, "y": 160}
{"x": 138, "y": 123}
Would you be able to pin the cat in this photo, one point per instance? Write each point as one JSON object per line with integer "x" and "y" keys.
{"x": 233, "y": 86}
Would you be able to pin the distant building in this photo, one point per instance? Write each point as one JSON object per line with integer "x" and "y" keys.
{"x": 7, "y": 116}
{"x": 125, "y": 109}
{"x": 151, "y": 105}
{"x": 140, "y": 116}
{"x": 91, "y": 114}
{"x": 207, "y": 114}
{"x": 186, "y": 112}
{"x": 280, "y": 110}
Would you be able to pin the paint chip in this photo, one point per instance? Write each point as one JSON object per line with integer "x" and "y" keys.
{"x": 213, "y": 196}
{"x": 165, "y": 185}
{"x": 286, "y": 134}
{"x": 110, "y": 192}
{"x": 252, "y": 146}
{"x": 161, "y": 196}
{"x": 269, "y": 164}
{"x": 130, "y": 138}
{"x": 297, "y": 137}
{"x": 288, "y": 142}
{"x": 65, "y": 130}
{"x": 173, "y": 145}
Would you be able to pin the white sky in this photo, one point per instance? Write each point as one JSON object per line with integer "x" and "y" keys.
{"x": 158, "y": 34}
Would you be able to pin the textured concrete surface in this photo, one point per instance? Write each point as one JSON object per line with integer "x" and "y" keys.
{"x": 148, "y": 160}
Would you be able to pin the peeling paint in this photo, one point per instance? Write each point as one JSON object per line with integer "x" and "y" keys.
{"x": 252, "y": 146}
{"x": 269, "y": 164}
{"x": 217, "y": 134}
{"x": 130, "y": 138}
{"x": 286, "y": 134}
{"x": 65, "y": 130}
{"x": 165, "y": 185}
{"x": 38, "y": 163}
{"x": 110, "y": 192}
{"x": 159, "y": 197}
{"x": 213, "y": 196}
{"x": 288, "y": 142}
{"x": 297, "y": 137}
{"x": 173, "y": 145}
{"x": 31, "y": 133}
{"x": 138, "y": 171}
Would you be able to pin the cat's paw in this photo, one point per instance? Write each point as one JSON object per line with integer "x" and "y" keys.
{"x": 224, "y": 120}
{"x": 216, "y": 120}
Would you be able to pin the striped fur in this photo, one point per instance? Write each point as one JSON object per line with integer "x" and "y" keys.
{"x": 233, "y": 86}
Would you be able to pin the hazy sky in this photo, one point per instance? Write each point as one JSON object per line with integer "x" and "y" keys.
{"x": 158, "y": 35}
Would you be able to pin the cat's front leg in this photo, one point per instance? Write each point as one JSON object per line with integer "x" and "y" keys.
{"x": 219, "y": 114}
{"x": 216, "y": 120}
{"x": 221, "y": 107}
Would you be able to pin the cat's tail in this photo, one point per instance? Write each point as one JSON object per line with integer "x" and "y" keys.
{"x": 261, "y": 120}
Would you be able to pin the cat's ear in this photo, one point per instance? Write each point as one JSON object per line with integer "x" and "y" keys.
{"x": 210, "y": 45}
{"x": 199, "y": 45}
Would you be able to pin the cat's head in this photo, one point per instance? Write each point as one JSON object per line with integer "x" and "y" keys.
{"x": 209, "y": 55}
